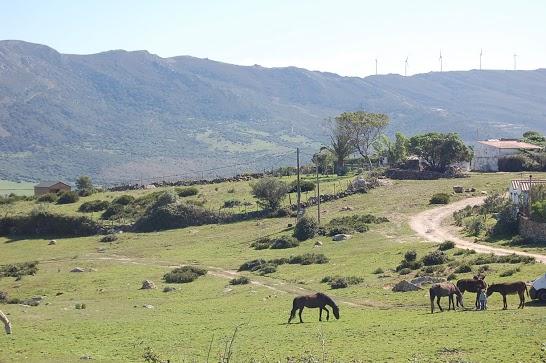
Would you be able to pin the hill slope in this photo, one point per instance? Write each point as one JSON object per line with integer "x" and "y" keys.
{"x": 118, "y": 115}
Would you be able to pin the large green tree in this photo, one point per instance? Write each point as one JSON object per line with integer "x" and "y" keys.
{"x": 84, "y": 185}
{"x": 440, "y": 150}
{"x": 364, "y": 128}
{"x": 341, "y": 144}
{"x": 395, "y": 151}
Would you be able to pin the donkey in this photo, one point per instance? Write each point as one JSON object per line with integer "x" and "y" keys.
{"x": 318, "y": 300}
{"x": 472, "y": 285}
{"x": 510, "y": 288}
{"x": 444, "y": 289}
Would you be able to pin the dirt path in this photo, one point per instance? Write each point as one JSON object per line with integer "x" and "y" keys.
{"x": 428, "y": 224}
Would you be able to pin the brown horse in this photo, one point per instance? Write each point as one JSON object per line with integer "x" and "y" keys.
{"x": 510, "y": 288}
{"x": 472, "y": 285}
{"x": 444, "y": 289}
{"x": 318, "y": 300}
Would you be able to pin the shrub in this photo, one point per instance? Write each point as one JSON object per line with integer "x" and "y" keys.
{"x": 305, "y": 228}
{"x": 187, "y": 192}
{"x": 44, "y": 223}
{"x": 84, "y": 186}
{"x": 440, "y": 198}
{"x": 165, "y": 198}
{"x": 447, "y": 245}
{"x": 231, "y": 203}
{"x": 475, "y": 225}
{"x": 268, "y": 268}
{"x": 308, "y": 259}
{"x": 351, "y": 224}
{"x": 284, "y": 242}
{"x": 513, "y": 258}
{"x": 68, "y": 197}
{"x": 451, "y": 277}
{"x": 93, "y": 206}
{"x": 507, "y": 221}
{"x": 410, "y": 256}
{"x": 113, "y": 211}
{"x": 174, "y": 216}
{"x": 231, "y": 190}
{"x": 538, "y": 211}
{"x": 434, "y": 258}
{"x": 305, "y": 186}
{"x": 19, "y": 269}
{"x": 184, "y": 274}
{"x": 460, "y": 215}
{"x": 242, "y": 280}
{"x": 412, "y": 265}
{"x": 519, "y": 162}
{"x": 261, "y": 244}
{"x": 404, "y": 271}
{"x": 270, "y": 192}
{"x": 510, "y": 272}
{"x": 378, "y": 271}
{"x": 463, "y": 269}
{"x": 124, "y": 199}
{"x": 337, "y": 282}
{"x": 197, "y": 202}
{"x": 109, "y": 238}
{"x": 252, "y": 265}
{"x": 483, "y": 268}
{"x": 47, "y": 198}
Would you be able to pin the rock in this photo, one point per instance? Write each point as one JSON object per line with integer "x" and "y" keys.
{"x": 425, "y": 280}
{"x": 33, "y": 301}
{"x": 458, "y": 189}
{"x": 147, "y": 285}
{"x": 359, "y": 184}
{"x": 483, "y": 192}
{"x": 147, "y": 306}
{"x": 59, "y": 293}
{"x": 77, "y": 269}
{"x": 169, "y": 289}
{"x": 3, "y": 296}
{"x": 341, "y": 237}
{"x": 347, "y": 208}
{"x": 86, "y": 357}
{"x": 318, "y": 244}
{"x": 52, "y": 242}
{"x": 404, "y": 286}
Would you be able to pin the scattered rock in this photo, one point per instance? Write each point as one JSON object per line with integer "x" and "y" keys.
{"x": 483, "y": 192}
{"x": 86, "y": 357}
{"x": 426, "y": 280}
{"x": 458, "y": 189}
{"x": 147, "y": 285}
{"x": 341, "y": 237}
{"x": 33, "y": 301}
{"x": 169, "y": 289}
{"x": 346, "y": 208}
{"x": 404, "y": 286}
{"x": 59, "y": 293}
{"x": 77, "y": 269}
{"x": 318, "y": 244}
{"x": 52, "y": 242}
{"x": 147, "y": 306}
{"x": 3, "y": 296}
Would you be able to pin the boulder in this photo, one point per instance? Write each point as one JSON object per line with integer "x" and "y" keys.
{"x": 359, "y": 184}
{"x": 147, "y": 285}
{"x": 404, "y": 286}
{"x": 346, "y": 208}
{"x": 318, "y": 244}
{"x": 52, "y": 242}
{"x": 77, "y": 269}
{"x": 426, "y": 280}
{"x": 341, "y": 237}
{"x": 169, "y": 289}
{"x": 148, "y": 306}
{"x": 458, "y": 189}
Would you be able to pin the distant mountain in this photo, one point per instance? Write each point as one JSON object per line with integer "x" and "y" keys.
{"x": 123, "y": 115}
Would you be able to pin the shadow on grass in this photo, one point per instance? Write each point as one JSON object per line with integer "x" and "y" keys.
{"x": 535, "y": 304}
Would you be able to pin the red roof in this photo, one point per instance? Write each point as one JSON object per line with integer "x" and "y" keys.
{"x": 510, "y": 144}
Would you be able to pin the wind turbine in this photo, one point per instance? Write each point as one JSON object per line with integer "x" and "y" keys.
{"x": 441, "y": 62}
{"x": 515, "y": 58}
{"x": 406, "y": 67}
{"x": 481, "y": 53}
{"x": 376, "y": 66}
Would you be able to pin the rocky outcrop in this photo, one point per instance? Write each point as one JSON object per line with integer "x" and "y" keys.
{"x": 405, "y": 286}
{"x": 147, "y": 285}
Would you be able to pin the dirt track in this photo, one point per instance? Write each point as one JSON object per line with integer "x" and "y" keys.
{"x": 428, "y": 224}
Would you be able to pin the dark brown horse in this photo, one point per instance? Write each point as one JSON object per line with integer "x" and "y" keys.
{"x": 472, "y": 285}
{"x": 444, "y": 289}
{"x": 318, "y": 300}
{"x": 510, "y": 288}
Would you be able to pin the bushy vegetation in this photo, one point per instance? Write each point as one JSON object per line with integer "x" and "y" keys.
{"x": 338, "y": 282}
{"x": 18, "y": 270}
{"x": 538, "y": 211}
{"x": 12, "y": 198}
{"x": 306, "y": 227}
{"x": 440, "y": 198}
{"x": 109, "y": 238}
{"x": 93, "y": 206}
{"x": 231, "y": 203}
{"x": 242, "y": 280}
{"x": 281, "y": 242}
{"x": 305, "y": 186}
{"x": 474, "y": 225}
{"x": 434, "y": 258}
{"x": 270, "y": 192}
{"x": 187, "y": 192}
{"x": 439, "y": 150}
{"x": 47, "y": 198}
{"x": 464, "y": 268}
{"x": 264, "y": 267}
{"x": 175, "y": 216}
{"x": 43, "y": 223}
{"x": 124, "y": 199}
{"x": 184, "y": 274}
{"x": 509, "y": 272}
{"x": 84, "y": 186}
{"x": 68, "y": 197}
{"x": 409, "y": 262}
{"x": 352, "y": 224}
{"x": 446, "y": 245}
{"x": 513, "y": 258}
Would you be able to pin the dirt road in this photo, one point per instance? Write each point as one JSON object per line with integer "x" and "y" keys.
{"x": 428, "y": 224}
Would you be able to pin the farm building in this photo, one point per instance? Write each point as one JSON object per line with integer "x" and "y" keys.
{"x": 487, "y": 153}
{"x": 519, "y": 190}
{"x": 50, "y": 187}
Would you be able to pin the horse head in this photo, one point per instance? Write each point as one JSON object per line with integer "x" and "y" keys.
{"x": 335, "y": 310}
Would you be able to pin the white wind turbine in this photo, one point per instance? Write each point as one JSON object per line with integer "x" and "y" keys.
{"x": 406, "y": 67}
{"x": 481, "y": 53}
{"x": 441, "y": 62}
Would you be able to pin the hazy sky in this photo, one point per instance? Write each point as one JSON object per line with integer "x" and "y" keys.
{"x": 340, "y": 36}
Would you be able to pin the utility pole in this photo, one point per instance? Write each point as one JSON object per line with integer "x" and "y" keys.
{"x": 298, "y": 182}
{"x": 318, "y": 197}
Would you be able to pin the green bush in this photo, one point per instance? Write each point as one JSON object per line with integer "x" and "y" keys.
{"x": 412, "y": 265}
{"x": 410, "y": 256}
{"x": 242, "y": 280}
{"x": 270, "y": 192}
{"x": 538, "y": 211}
{"x": 264, "y": 267}
{"x": 378, "y": 271}
{"x": 113, "y": 211}
{"x": 261, "y": 244}
{"x": 19, "y": 269}
{"x": 337, "y": 282}
{"x": 510, "y": 272}
{"x": 68, "y": 197}
{"x": 451, "y": 277}
{"x": 404, "y": 271}
{"x": 513, "y": 258}
{"x": 447, "y": 245}
{"x": 165, "y": 198}
{"x": 187, "y": 192}
{"x": 305, "y": 228}
{"x": 305, "y": 186}
{"x": 184, "y": 274}
{"x": 463, "y": 269}
{"x": 308, "y": 259}
{"x": 434, "y": 258}
{"x": 93, "y": 206}
{"x": 440, "y": 198}
{"x": 475, "y": 225}
{"x": 47, "y": 198}
{"x": 44, "y": 223}
{"x": 175, "y": 216}
{"x": 284, "y": 242}
{"x": 124, "y": 199}
{"x": 231, "y": 203}
{"x": 109, "y": 238}
{"x": 252, "y": 265}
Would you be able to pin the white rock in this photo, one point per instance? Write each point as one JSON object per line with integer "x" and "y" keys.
{"x": 341, "y": 237}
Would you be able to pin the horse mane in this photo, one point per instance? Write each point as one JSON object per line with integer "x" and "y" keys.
{"x": 328, "y": 299}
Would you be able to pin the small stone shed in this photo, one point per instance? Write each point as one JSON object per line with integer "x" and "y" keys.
{"x": 50, "y": 187}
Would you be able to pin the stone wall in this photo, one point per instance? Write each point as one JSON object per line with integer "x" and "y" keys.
{"x": 532, "y": 230}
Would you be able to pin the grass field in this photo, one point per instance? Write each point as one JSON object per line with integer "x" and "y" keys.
{"x": 18, "y": 188}
{"x": 376, "y": 325}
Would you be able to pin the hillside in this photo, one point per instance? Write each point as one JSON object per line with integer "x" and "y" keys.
{"x": 123, "y": 115}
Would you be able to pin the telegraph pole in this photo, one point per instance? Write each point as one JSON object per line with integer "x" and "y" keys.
{"x": 298, "y": 182}
{"x": 318, "y": 195}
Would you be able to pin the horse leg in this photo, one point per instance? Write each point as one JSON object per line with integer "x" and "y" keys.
{"x": 320, "y": 314}
{"x": 477, "y": 303}
{"x": 521, "y": 299}
{"x": 505, "y": 304}
{"x": 438, "y": 302}
{"x": 292, "y": 315}
{"x": 431, "y": 304}
{"x": 327, "y": 314}
{"x": 301, "y": 311}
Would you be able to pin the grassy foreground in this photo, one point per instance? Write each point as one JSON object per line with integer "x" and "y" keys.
{"x": 376, "y": 324}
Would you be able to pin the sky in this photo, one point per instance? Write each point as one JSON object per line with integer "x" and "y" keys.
{"x": 341, "y": 36}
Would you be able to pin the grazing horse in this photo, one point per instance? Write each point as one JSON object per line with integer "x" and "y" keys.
{"x": 7, "y": 324}
{"x": 471, "y": 285}
{"x": 444, "y": 289}
{"x": 318, "y": 300}
{"x": 510, "y": 288}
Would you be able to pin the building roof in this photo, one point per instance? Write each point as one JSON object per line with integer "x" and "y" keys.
{"x": 510, "y": 144}
{"x": 47, "y": 184}
{"x": 523, "y": 184}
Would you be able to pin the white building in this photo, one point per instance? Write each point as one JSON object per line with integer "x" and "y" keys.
{"x": 519, "y": 190}
{"x": 487, "y": 153}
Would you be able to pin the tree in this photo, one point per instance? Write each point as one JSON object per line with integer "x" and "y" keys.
{"x": 395, "y": 152}
{"x": 322, "y": 159}
{"x": 84, "y": 185}
{"x": 440, "y": 150}
{"x": 270, "y": 192}
{"x": 364, "y": 129}
{"x": 341, "y": 144}
{"x": 534, "y": 137}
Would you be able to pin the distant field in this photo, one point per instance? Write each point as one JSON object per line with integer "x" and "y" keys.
{"x": 22, "y": 188}
{"x": 376, "y": 325}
